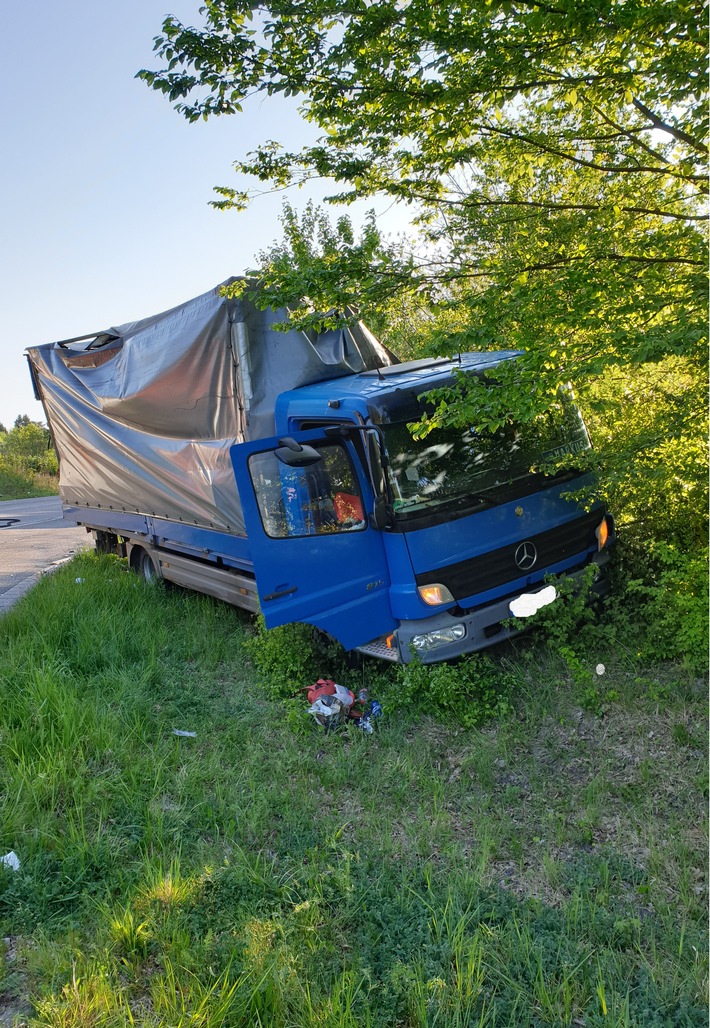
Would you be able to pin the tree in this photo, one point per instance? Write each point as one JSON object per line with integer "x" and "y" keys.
{"x": 548, "y": 146}
{"x": 26, "y": 450}
{"x": 555, "y": 154}
{"x": 26, "y": 439}
{"x": 408, "y": 93}
{"x": 306, "y": 273}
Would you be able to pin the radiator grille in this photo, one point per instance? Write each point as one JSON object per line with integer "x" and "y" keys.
{"x": 495, "y": 568}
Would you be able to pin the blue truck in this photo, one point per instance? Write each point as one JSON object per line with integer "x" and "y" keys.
{"x": 220, "y": 449}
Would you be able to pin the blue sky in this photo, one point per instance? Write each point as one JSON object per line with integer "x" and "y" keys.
{"x": 104, "y": 188}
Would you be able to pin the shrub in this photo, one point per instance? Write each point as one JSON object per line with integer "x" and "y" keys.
{"x": 468, "y": 692}
{"x": 292, "y": 656}
{"x": 16, "y": 483}
{"x": 28, "y": 464}
{"x": 673, "y": 606}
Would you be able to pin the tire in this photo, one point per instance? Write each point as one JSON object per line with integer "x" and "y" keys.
{"x": 106, "y": 542}
{"x": 143, "y": 564}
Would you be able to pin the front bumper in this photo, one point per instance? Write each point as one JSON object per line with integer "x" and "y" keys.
{"x": 484, "y": 626}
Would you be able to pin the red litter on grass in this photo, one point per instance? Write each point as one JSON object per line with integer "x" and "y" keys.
{"x": 330, "y": 703}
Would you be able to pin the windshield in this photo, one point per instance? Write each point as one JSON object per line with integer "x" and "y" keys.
{"x": 461, "y": 468}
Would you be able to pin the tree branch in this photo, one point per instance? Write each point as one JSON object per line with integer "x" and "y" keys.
{"x": 592, "y": 165}
{"x": 628, "y": 134}
{"x": 552, "y": 206}
{"x": 677, "y": 133}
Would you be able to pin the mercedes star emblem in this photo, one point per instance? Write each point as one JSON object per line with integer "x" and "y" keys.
{"x": 526, "y": 555}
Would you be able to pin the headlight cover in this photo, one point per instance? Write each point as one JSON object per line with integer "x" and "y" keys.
{"x": 439, "y": 637}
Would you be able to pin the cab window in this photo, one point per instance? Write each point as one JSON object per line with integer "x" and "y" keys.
{"x": 324, "y": 498}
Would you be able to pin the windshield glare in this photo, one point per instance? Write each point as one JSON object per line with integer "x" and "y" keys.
{"x": 462, "y": 467}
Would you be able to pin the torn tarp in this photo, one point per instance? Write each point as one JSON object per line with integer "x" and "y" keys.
{"x": 143, "y": 415}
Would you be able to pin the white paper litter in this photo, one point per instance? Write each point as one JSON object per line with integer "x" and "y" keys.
{"x": 183, "y": 734}
{"x": 325, "y": 708}
{"x": 342, "y": 694}
{"x": 11, "y": 860}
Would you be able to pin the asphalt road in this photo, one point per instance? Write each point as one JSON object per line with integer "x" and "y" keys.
{"x": 34, "y": 537}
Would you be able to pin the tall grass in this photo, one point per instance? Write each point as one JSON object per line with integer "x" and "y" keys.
{"x": 17, "y": 483}
{"x": 544, "y": 868}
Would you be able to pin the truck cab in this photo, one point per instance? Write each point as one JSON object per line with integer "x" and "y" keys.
{"x": 405, "y": 548}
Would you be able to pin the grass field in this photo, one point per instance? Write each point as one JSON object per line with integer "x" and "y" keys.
{"x": 16, "y": 484}
{"x": 547, "y": 867}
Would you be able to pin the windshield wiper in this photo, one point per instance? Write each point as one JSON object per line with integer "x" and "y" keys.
{"x": 482, "y": 498}
{"x": 465, "y": 499}
{"x": 429, "y": 503}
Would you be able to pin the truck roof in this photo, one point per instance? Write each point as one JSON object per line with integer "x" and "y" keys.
{"x": 384, "y": 394}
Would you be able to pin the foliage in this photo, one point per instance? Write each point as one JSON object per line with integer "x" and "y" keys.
{"x": 673, "y": 595}
{"x": 655, "y": 416}
{"x": 285, "y": 657}
{"x": 26, "y": 439}
{"x": 28, "y": 446}
{"x": 310, "y": 243}
{"x": 28, "y": 464}
{"x": 467, "y": 693}
{"x": 525, "y": 135}
{"x": 406, "y": 93}
{"x": 554, "y": 157}
{"x": 18, "y": 485}
{"x": 572, "y": 611}
{"x": 304, "y": 273}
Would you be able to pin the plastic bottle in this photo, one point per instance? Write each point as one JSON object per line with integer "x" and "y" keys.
{"x": 372, "y": 711}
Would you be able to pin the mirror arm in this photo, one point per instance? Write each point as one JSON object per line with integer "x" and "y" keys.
{"x": 291, "y": 443}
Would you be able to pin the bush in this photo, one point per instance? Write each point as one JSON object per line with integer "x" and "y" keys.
{"x": 28, "y": 464}
{"x": 649, "y": 427}
{"x": 292, "y": 656}
{"x": 468, "y": 692}
{"x": 17, "y": 483}
{"x": 672, "y": 597}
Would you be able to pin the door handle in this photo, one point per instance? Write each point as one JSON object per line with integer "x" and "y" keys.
{"x": 282, "y": 592}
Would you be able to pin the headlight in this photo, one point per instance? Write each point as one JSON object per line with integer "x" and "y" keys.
{"x": 435, "y": 594}
{"x": 429, "y": 640}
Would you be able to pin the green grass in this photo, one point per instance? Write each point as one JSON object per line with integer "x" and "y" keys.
{"x": 543, "y": 868}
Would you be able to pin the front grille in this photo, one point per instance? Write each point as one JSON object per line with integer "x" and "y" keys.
{"x": 495, "y": 568}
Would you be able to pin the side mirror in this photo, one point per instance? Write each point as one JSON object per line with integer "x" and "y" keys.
{"x": 303, "y": 457}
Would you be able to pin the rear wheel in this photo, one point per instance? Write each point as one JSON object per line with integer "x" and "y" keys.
{"x": 143, "y": 564}
{"x": 106, "y": 542}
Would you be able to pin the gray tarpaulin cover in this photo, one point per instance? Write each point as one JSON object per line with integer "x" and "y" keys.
{"x": 143, "y": 415}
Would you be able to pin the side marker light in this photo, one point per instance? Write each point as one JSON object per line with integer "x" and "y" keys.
{"x": 602, "y": 534}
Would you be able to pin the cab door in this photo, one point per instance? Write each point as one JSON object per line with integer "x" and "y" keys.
{"x": 316, "y": 555}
